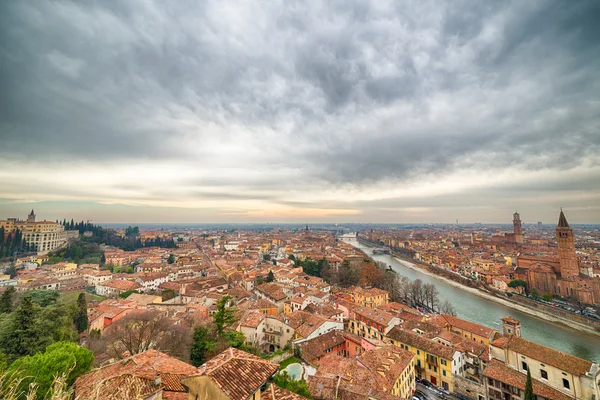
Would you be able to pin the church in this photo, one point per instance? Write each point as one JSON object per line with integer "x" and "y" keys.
{"x": 560, "y": 275}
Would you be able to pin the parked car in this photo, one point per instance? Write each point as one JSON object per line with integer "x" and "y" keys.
{"x": 427, "y": 383}
{"x": 441, "y": 389}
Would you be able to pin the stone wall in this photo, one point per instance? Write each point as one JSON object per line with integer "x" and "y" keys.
{"x": 468, "y": 388}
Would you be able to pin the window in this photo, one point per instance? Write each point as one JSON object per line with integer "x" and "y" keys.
{"x": 543, "y": 374}
{"x": 443, "y": 362}
{"x": 444, "y": 372}
{"x": 566, "y": 384}
{"x": 418, "y": 352}
{"x": 524, "y": 365}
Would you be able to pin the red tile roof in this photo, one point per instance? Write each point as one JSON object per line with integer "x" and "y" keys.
{"x": 499, "y": 371}
{"x": 566, "y": 362}
{"x": 237, "y": 373}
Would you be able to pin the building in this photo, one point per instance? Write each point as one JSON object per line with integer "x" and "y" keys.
{"x": 570, "y": 375}
{"x": 472, "y": 331}
{"x": 502, "y": 382}
{"x": 369, "y": 297}
{"x": 115, "y": 287}
{"x": 43, "y": 236}
{"x": 517, "y": 228}
{"x": 372, "y": 323}
{"x": 232, "y": 374}
{"x": 376, "y": 374}
{"x": 561, "y": 275}
{"x": 148, "y": 375}
{"x": 434, "y": 362}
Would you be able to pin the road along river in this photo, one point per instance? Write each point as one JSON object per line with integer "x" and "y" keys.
{"x": 487, "y": 312}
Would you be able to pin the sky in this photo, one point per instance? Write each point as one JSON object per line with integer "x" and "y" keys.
{"x": 300, "y": 111}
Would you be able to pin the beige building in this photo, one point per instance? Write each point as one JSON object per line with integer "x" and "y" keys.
{"x": 563, "y": 372}
{"x": 44, "y": 236}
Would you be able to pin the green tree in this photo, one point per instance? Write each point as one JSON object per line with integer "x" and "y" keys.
{"x": 203, "y": 343}
{"x": 59, "y": 358}
{"x": 81, "y": 317}
{"x": 168, "y": 294}
{"x": 225, "y": 316}
{"x": 6, "y": 300}
{"x": 171, "y": 259}
{"x": 529, "y": 387}
{"x": 547, "y": 296}
{"x": 126, "y": 294}
{"x": 285, "y": 381}
{"x": 11, "y": 271}
{"x": 270, "y": 277}
{"x": 23, "y": 339}
{"x": 519, "y": 283}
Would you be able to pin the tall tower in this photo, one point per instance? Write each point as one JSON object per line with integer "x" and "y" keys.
{"x": 31, "y": 217}
{"x": 569, "y": 265}
{"x": 518, "y": 229}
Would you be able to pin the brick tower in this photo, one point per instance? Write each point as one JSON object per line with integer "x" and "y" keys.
{"x": 569, "y": 265}
{"x": 518, "y": 229}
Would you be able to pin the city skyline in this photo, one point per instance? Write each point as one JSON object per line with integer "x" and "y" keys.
{"x": 339, "y": 112}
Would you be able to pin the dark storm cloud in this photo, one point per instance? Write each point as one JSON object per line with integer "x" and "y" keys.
{"x": 306, "y": 95}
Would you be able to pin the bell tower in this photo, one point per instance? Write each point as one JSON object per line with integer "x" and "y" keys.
{"x": 518, "y": 229}
{"x": 31, "y": 217}
{"x": 569, "y": 265}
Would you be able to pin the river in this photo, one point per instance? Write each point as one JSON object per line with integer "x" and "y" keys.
{"x": 487, "y": 312}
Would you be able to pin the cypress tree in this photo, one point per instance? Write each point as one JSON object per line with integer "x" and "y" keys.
{"x": 6, "y": 300}
{"x": 23, "y": 340}
{"x": 81, "y": 318}
{"x": 529, "y": 387}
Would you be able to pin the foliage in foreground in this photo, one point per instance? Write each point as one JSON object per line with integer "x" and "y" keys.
{"x": 285, "y": 381}
{"x": 64, "y": 359}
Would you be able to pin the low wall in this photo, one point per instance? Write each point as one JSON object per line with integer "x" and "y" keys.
{"x": 558, "y": 312}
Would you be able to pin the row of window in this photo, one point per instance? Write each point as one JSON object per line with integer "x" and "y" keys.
{"x": 544, "y": 375}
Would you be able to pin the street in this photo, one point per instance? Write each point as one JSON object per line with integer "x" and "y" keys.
{"x": 432, "y": 394}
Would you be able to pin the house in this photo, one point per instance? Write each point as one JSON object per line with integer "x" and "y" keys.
{"x": 568, "y": 374}
{"x": 434, "y": 362}
{"x": 232, "y": 375}
{"x": 148, "y": 375}
{"x": 503, "y": 382}
{"x": 338, "y": 343}
{"x": 115, "y": 287}
{"x": 272, "y": 292}
{"x": 308, "y": 326}
{"x": 151, "y": 282}
{"x": 376, "y": 374}
{"x": 467, "y": 329}
{"x": 372, "y": 323}
{"x": 369, "y": 297}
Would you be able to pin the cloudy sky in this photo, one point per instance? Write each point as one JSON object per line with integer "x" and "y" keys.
{"x": 294, "y": 111}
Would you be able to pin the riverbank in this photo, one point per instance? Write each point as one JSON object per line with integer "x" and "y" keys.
{"x": 535, "y": 312}
{"x": 566, "y": 323}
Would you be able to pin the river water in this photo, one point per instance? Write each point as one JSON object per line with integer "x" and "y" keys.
{"x": 486, "y": 312}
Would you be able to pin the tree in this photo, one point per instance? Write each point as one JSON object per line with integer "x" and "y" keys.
{"x": 171, "y": 259}
{"x": 370, "y": 275}
{"x": 11, "y": 271}
{"x": 23, "y": 338}
{"x": 81, "y": 317}
{"x": 168, "y": 294}
{"x": 136, "y": 333}
{"x": 529, "y": 387}
{"x": 42, "y": 368}
{"x": 266, "y": 257}
{"x": 6, "y": 300}
{"x": 519, "y": 283}
{"x": 447, "y": 308}
{"x": 270, "y": 277}
{"x": 547, "y": 297}
{"x": 126, "y": 294}
{"x": 225, "y": 316}
{"x": 348, "y": 275}
{"x": 285, "y": 381}
{"x": 203, "y": 343}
